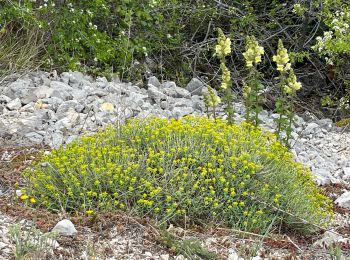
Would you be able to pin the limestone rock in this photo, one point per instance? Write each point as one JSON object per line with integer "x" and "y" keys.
{"x": 14, "y": 104}
{"x": 344, "y": 200}
{"x": 65, "y": 228}
{"x": 154, "y": 94}
{"x": 153, "y": 81}
{"x": 4, "y": 99}
{"x": 195, "y": 87}
{"x": 330, "y": 238}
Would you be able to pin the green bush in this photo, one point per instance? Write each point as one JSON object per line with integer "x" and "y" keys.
{"x": 194, "y": 169}
{"x": 334, "y": 47}
{"x": 96, "y": 36}
{"x": 110, "y": 35}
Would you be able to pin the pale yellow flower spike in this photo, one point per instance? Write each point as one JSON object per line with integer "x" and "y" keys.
{"x": 226, "y": 75}
{"x": 293, "y": 84}
{"x": 211, "y": 99}
{"x": 253, "y": 52}
{"x": 282, "y": 58}
{"x": 223, "y": 48}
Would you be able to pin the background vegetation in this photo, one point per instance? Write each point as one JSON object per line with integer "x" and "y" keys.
{"x": 174, "y": 39}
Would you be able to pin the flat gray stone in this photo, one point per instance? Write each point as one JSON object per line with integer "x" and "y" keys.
{"x": 33, "y": 122}
{"x": 67, "y": 105}
{"x": 344, "y": 200}
{"x": 346, "y": 171}
{"x": 79, "y": 94}
{"x": 30, "y": 97}
{"x": 43, "y": 92}
{"x": 155, "y": 94}
{"x": 312, "y": 128}
{"x": 179, "y": 112}
{"x": 195, "y": 87}
{"x": 4, "y": 99}
{"x": 20, "y": 84}
{"x": 153, "y": 81}
{"x": 324, "y": 176}
{"x": 34, "y": 137}
{"x": 14, "y": 104}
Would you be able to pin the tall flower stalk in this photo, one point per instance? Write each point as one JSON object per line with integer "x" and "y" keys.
{"x": 211, "y": 101}
{"x": 253, "y": 87}
{"x": 288, "y": 85}
{"x": 222, "y": 50}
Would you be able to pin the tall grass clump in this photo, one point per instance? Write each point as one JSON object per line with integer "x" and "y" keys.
{"x": 190, "y": 170}
{"x": 20, "y": 49}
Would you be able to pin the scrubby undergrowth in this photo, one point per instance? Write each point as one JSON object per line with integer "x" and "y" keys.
{"x": 189, "y": 170}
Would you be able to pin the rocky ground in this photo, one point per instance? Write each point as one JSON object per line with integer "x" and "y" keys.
{"x": 44, "y": 110}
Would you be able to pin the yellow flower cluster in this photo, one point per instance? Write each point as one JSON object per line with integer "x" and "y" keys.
{"x": 253, "y": 52}
{"x": 211, "y": 99}
{"x": 178, "y": 170}
{"x": 292, "y": 83}
{"x": 283, "y": 65}
{"x": 246, "y": 91}
{"x": 223, "y": 48}
{"x": 282, "y": 58}
{"x": 26, "y": 197}
{"x": 226, "y": 76}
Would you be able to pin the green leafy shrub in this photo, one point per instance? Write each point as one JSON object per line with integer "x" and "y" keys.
{"x": 109, "y": 35}
{"x": 194, "y": 169}
{"x": 334, "y": 46}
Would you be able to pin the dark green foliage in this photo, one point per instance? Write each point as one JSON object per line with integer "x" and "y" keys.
{"x": 177, "y": 34}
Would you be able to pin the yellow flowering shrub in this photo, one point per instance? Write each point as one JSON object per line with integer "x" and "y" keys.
{"x": 194, "y": 169}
